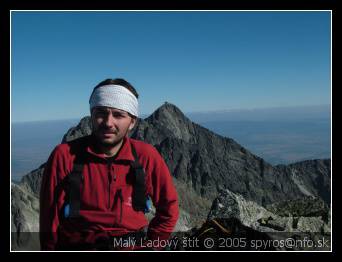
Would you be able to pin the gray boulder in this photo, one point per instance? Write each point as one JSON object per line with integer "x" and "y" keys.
{"x": 231, "y": 205}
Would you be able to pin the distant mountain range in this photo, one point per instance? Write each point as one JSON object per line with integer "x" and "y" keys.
{"x": 205, "y": 165}
{"x": 291, "y": 113}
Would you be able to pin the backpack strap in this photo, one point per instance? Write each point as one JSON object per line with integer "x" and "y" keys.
{"x": 73, "y": 189}
{"x": 75, "y": 181}
{"x": 139, "y": 197}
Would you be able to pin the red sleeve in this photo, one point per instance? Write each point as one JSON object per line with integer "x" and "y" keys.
{"x": 164, "y": 197}
{"x": 49, "y": 203}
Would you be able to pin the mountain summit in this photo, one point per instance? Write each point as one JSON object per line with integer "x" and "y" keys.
{"x": 167, "y": 111}
{"x": 168, "y": 121}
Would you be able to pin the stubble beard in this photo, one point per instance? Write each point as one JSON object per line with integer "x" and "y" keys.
{"x": 109, "y": 143}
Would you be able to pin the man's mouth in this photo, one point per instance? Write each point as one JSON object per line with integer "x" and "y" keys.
{"x": 107, "y": 133}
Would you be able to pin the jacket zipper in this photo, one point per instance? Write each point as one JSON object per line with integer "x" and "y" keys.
{"x": 121, "y": 203}
{"x": 109, "y": 182}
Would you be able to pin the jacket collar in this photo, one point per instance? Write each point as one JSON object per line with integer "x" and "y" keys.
{"x": 124, "y": 153}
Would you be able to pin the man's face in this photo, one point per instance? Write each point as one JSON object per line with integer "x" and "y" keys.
{"x": 111, "y": 125}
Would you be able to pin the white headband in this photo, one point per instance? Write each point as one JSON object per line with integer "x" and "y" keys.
{"x": 115, "y": 96}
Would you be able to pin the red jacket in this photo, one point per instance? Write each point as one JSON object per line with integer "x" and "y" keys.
{"x": 99, "y": 212}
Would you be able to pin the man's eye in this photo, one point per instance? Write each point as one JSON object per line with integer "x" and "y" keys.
{"x": 100, "y": 113}
{"x": 118, "y": 115}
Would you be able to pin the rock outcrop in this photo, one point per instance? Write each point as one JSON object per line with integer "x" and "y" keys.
{"x": 32, "y": 181}
{"x": 24, "y": 219}
{"x": 236, "y": 224}
{"x": 82, "y": 129}
{"x": 231, "y": 205}
{"x": 303, "y": 207}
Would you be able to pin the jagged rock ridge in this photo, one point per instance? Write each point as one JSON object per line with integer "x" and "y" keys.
{"x": 207, "y": 162}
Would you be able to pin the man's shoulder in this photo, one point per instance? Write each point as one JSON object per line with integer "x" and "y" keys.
{"x": 143, "y": 148}
{"x": 71, "y": 147}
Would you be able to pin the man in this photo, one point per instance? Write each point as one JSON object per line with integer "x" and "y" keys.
{"x": 95, "y": 189}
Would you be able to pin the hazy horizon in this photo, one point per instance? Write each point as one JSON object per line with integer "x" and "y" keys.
{"x": 194, "y": 115}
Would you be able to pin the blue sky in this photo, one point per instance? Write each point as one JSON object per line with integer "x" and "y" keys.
{"x": 200, "y": 61}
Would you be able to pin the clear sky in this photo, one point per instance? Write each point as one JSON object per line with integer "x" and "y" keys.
{"x": 200, "y": 61}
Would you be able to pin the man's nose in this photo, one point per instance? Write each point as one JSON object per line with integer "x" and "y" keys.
{"x": 110, "y": 120}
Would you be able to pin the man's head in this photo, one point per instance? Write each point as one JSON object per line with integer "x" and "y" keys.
{"x": 114, "y": 110}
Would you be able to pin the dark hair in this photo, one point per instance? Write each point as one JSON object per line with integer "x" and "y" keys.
{"x": 117, "y": 81}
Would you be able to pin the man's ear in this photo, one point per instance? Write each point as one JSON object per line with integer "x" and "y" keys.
{"x": 91, "y": 114}
{"x": 132, "y": 124}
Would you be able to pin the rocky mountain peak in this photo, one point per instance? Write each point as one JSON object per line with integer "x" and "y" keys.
{"x": 168, "y": 121}
{"x": 167, "y": 112}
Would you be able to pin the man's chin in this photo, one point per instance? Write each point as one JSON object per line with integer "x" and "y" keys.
{"x": 109, "y": 142}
